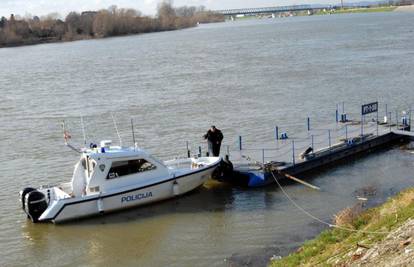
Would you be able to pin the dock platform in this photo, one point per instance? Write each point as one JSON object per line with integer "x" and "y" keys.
{"x": 315, "y": 149}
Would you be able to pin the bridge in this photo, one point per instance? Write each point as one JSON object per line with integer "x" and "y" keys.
{"x": 277, "y": 9}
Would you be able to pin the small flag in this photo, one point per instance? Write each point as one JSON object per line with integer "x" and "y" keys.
{"x": 66, "y": 135}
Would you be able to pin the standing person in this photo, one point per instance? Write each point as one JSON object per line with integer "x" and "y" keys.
{"x": 214, "y": 137}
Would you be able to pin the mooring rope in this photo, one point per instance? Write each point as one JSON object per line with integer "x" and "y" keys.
{"x": 320, "y": 220}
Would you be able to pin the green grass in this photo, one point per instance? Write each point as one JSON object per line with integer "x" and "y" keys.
{"x": 339, "y": 11}
{"x": 366, "y": 10}
{"x": 358, "y": 10}
{"x": 337, "y": 243}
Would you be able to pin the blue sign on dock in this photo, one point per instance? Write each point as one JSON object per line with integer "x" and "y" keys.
{"x": 369, "y": 108}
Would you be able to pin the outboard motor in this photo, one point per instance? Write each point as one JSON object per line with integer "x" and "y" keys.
{"x": 35, "y": 204}
{"x": 23, "y": 193}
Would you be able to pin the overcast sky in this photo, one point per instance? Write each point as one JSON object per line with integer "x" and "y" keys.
{"x": 43, "y": 7}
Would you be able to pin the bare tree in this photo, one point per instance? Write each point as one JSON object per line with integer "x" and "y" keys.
{"x": 109, "y": 22}
{"x": 103, "y": 24}
{"x": 73, "y": 23}
{"x": 166, "y": 14}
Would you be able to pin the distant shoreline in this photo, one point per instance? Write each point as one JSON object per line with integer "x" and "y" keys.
{"x": 347, "y": 10}
{"x": 112, "y": 22}
{"x": 57, "y": 41}
{"x": 363, "y": 10}
{"x": 208, "y": 17}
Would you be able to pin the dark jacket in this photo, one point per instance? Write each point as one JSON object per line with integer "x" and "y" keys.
{"x": 214, "y": 137}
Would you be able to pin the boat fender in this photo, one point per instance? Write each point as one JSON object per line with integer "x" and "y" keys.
{"x": 23, "y": 193}
{"x": 306, "y": 152}
{"x": 35, "y": 204}
{"x": 100, "y": 206}
{"x": 176, "y": 188}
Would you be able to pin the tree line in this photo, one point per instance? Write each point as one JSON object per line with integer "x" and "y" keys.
{"x": 99, "y": 24}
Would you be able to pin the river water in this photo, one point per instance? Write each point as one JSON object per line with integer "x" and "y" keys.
{"x": 244, "y": 77}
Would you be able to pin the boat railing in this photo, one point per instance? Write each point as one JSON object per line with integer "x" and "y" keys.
{"x": 294, "y": 147}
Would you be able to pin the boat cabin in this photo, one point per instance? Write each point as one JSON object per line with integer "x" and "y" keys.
{"x": 108, "y": 168}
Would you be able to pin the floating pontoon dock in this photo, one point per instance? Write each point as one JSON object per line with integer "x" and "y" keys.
{"x": 318, "y": 148}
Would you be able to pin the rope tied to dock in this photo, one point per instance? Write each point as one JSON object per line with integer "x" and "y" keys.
{"x": 320, "y": 220}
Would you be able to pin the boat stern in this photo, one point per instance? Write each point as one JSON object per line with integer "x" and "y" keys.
{"x": 34, "y": 203}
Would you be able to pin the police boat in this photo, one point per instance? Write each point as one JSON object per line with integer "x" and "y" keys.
{"x": 109, "y": 178}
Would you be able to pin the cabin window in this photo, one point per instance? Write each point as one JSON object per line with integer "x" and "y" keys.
{"x": 122, "y": 168}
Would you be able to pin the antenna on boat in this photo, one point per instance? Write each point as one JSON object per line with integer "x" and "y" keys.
{"x": 83, "y": 130}
{"x": 133, "y": 132}
{"x": 116, "y": 128}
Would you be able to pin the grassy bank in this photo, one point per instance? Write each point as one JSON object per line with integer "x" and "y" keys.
{"x": 358, "y": 10}
{"x": 367, "y": 10}
{"x": 335, "y": 246}
{"x": 328, "y": 12}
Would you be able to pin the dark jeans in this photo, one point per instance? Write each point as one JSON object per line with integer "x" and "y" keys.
{"x": 214, "y": 149}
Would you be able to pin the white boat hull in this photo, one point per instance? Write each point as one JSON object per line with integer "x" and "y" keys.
{"x": 75, "y": 208}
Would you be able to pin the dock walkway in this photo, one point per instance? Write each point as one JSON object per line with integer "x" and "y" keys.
{"x": 342, "y": 140}
{"x": 289, "y": 151}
